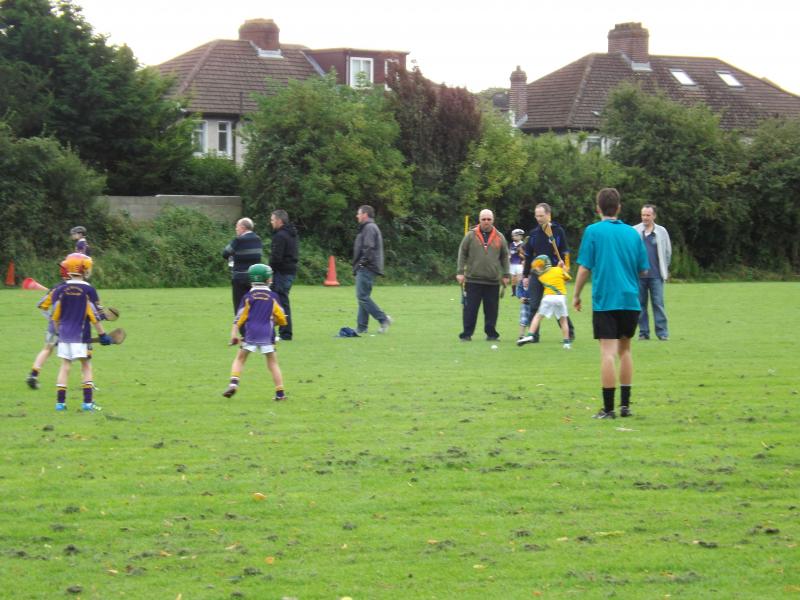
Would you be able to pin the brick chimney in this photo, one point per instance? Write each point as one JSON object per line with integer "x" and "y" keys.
{"x": 630, "y": 39}
{"x": 264, "y": 33}
{"x": 518, "y": 96}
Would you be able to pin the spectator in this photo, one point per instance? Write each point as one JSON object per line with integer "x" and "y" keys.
{"x": 283, "y": 260}
{"x": 659, "y": 253}
{"x": 368, "y": 264}
{"x": 243, "y": 252}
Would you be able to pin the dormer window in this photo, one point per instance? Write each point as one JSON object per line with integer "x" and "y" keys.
{"x": 728, "y": 78}
{"x": 359, "y": 66}
{"x": 682, "y": 77}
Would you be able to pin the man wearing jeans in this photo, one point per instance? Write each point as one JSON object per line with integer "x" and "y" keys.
{"x": 367, "y": 264}
{"x": 659, "y": 252}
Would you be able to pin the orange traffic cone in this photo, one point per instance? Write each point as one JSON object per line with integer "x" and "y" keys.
{"x": 10, "y": 277}
{"x": 330, "y": 279}
{"x": 31, "y": 284}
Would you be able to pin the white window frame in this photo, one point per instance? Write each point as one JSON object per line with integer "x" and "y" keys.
{"x": 682, "y": 77}
{"x": 227, "y": 148}
{"x": 200, "y": 138}
{"x": 354, "y": 74}
{"x": 730, "y": 79}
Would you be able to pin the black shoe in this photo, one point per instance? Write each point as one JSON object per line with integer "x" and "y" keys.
{"x": 605, "y": 415}
{"x": 33, "y": 382}
{"x": 230, "y": 391}
{"x": 492, "y": 338}
{"x": 642, "y": 338}
{"x": 625, "y": 411}
{"x": 465, "y": 338}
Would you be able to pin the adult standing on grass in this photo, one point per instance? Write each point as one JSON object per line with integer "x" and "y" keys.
{"x": 614, "y": 254}
{"x": 483, "y": 264}
{"x": 368, "y": 264}
{"x": 243, "y": 252}
{"x": 541, "y": 243}
{"x": 659, "y": 253}
{"x": 283, "y": 260}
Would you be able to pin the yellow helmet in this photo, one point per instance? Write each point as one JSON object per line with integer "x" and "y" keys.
{"x": 77, "y": 264}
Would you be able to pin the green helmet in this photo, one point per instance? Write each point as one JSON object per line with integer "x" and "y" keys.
{"x": 259, "y": 273}
{"x": 541, "y": 263}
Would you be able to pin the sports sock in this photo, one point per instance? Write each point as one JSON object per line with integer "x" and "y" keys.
{"x": 279, "y": 393}
{"x": 61, "y": 394}
{"x": 35, "y": 372}
{"x": 88, "y": 388}
{"x": 625, "y": 395}
{"x": 608, "y": 399}
{"x": 234, "y": 382}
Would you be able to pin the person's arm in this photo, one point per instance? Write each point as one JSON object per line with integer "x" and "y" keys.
{"x": 230, "y": 249}
{"x": 278, "y": 314}
{"x": 580, "y": 281}
{"x": 668, "y": 251}
{"x": 277, "y": 250}
{"x": 505, "y": 264}
{"x": 463, "y": 256}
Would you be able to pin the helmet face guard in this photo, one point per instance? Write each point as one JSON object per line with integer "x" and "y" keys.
{"x": 259, "y": 273}
{"x": 541, "y": 263}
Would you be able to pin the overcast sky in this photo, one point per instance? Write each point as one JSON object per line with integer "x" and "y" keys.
{"x": 472, "y": 44}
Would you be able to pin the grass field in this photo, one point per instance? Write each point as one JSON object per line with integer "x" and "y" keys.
{"x": 406, "y": 465}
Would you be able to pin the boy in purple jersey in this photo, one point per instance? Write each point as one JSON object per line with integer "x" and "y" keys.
{"x": 74, "y": 305}
{"x": 260, "y": 310}
{"x": 516, "y": 256}
{"x": 78, "y": 234}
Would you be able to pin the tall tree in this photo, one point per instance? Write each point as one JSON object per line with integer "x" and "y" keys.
{"x": 59, "y": 78}
{"x": 319, "y": 150}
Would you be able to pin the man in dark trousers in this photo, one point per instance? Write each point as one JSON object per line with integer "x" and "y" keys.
{"x": 368, "y": 264}
{"x": 540, "y": 243}
{"x": 243, "y": 252}
{"x": 283, "y": 260}
{"x": 482, "y": 266}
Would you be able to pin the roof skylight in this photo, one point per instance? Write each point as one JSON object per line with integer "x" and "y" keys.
{"x": 728, "y": 78}
{"x": 682, "y": 77}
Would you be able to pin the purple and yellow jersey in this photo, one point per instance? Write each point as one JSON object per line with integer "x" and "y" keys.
{"x": 516, "y": 252}
{"x": 82, "y": 246}
{"x": 554, "y": 281}
{"x": 260, "y": 310}
{"x": 46, "y": 306}
{"x": 73, "y": 310}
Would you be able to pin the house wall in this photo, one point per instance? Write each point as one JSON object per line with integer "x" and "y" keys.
{"x": 227, "y": 209}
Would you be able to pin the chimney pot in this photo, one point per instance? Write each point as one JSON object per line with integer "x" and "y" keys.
{"x": 264, "y": 33}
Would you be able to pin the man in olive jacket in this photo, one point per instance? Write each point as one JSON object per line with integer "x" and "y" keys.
{"x": 483, "y": 265}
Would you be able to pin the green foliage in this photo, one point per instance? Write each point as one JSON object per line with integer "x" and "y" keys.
{"x": 678, "y": 158}
{"x": 209, "y": 175}
{"x": 772, "y": 184}
{"x": 62, "y": 79}
{"x": 319, "y": 150}
{"x": 181, "y": 248}
{"x": 44, "y": 190}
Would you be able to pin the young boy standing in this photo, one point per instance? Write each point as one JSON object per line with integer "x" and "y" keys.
{"x": 516, "y": 256}
{"x": 261, "y": 312}
{"x": 74, "y": 306}
{"x": 554, "y": 300}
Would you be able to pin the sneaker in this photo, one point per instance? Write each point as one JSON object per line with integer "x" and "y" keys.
{"x": 643, "y": 337}
{"x": 279, "y": 396}
{"x": 230, "y": 391}
{"x": 567, "y": 346}
{"x": 385, "y": 325}
{"x": 492, "y": 338}
{"x": 663, "y": 338}
{"x": 605, "y": 415}
{"x": 465, "y": 338}
{"x": 528, "y": 339}
{"x": 61, "y": 406}
{"x": 88, "y": 406}
{"x": 33, "y": 382}
{"x": 625, "y": 411}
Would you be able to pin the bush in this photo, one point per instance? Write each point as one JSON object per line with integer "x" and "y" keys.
{"x": 208, "y": 176}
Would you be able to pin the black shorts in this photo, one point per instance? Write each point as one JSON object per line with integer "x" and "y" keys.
{"x": 614, "y": 324}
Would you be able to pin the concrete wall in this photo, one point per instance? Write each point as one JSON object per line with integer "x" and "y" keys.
{"x": 145, "y": 208}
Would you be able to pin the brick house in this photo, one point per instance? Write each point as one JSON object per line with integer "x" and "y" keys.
{"x": 572, "y": 98}
{"x": 221, "y": 77}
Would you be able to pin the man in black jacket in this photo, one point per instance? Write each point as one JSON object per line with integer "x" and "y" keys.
{"x": 283, "y": 260}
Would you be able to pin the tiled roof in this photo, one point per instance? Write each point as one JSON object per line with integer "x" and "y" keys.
{"x": 222, "y": 76}
{"x": 573, "y": 97}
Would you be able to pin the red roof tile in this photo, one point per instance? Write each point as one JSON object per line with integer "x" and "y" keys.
{"x": 572, "y": 97}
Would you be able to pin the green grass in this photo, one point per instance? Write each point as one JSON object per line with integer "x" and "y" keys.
{"x": 408, "y": 465}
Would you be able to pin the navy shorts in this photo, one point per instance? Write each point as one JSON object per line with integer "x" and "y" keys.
{"x": 614, "y": 324}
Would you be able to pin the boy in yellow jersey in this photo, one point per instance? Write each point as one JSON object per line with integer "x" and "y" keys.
{"x": 554, "y": 300}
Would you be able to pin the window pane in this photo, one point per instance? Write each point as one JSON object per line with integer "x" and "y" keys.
{"x": 223, "y": 137}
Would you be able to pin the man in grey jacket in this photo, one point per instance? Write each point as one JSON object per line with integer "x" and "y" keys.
{"x": 659, "y": 252}
{"x": 367, "y": 264}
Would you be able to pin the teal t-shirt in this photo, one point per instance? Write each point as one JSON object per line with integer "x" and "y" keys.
{"x": 615, "y": 254}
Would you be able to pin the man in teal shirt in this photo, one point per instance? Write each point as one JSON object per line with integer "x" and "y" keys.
{"x": 615, "y": 256}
